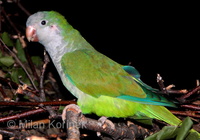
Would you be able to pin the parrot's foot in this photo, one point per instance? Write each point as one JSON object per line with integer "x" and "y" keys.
{"x": 71, "y": 107}
{"x": 104, "y": 120}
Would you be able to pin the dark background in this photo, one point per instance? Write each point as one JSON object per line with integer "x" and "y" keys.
{"x": 155, "y": 37}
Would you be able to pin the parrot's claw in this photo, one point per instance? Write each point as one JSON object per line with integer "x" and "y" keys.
{"x": 73, "y": 107}
{"x": 104, "y": 120}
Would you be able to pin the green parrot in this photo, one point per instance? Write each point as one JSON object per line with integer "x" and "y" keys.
{"x": 101, "y": 85}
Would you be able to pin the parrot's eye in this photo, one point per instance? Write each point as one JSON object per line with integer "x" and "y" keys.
{"x": 43, "y": 22}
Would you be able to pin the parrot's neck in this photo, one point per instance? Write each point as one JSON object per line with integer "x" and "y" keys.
{"x": 61, "y": 44}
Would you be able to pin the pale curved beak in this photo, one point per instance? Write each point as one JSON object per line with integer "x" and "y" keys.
{"x": 31, "y": 34}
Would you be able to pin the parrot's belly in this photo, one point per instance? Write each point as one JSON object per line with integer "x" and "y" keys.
{"x": 108, "y": 106}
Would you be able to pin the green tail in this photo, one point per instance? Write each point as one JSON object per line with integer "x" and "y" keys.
{"x": 155, "y": 111}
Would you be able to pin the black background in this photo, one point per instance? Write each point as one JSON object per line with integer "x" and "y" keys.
{"x": 155, "y": 37}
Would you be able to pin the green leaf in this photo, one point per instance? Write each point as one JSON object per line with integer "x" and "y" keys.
{"x": 167, "y": 132}
{"x": 36, "y": 60}
{"x": 61, "y": 108}
{"x": 182, "y": 132}
{"x": 19, "y": 73}
{"x": 6, "y": 39}
{"x": 192, "y": 136}
{"x": 20, "y": 51}
{"x": 184, "y": 129}
{"x": 7, "y": 61}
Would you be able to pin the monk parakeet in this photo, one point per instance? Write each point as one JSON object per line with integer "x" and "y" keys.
{"x": 101, "y": 85}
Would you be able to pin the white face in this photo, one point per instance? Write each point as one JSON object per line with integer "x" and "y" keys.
{"x": 39, "y": 29}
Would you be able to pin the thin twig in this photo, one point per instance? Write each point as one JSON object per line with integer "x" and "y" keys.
{"x": 10, "y": 21}
{"x": 182, "y": 98}
{"x": 22, "y": 7}
{"x": 186, "y": 113}
{"x": 6, "y": 132}
{"x": 32, "y": 66}
{"x": 46, "y": 103}
{"x": 182, "y": 91}
{"x": 22, "y": 115}
{"x": 42, "y": 93}
{"x": 46, "y": 61}
{"x": 160, "y": 82}
{"x": 9, "y": 82}
{"x": 31, "y": 95}
{"x": 196, "y": 107}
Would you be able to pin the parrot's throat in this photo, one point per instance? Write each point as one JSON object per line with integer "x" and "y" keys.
{"x": 59, "y": 44}
{"x": 56, "y": 50}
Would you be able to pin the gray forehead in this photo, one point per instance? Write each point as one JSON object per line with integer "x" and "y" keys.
{"x": 35, "y": 18}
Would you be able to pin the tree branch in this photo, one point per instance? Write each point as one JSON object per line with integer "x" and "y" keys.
{"x": 47, "y": 103}
{"x": 182, "y": 98}
{"x": 75, "y": 120}
{"x": 22, "y": 115}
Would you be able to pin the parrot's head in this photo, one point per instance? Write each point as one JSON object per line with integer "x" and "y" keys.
{"x": 46, "y": 26}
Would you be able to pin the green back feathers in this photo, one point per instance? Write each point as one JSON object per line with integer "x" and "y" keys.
{"x": 95, "y": 74}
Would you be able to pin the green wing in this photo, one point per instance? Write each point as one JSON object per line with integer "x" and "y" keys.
{"x": 96, "y": 75}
